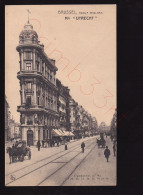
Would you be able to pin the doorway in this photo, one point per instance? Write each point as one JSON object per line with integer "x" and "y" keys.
{"x": 30, "y": 138}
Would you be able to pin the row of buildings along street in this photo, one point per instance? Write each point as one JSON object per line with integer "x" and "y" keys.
{"x": 47, "y": 109}
{"x": 57, "y": 142}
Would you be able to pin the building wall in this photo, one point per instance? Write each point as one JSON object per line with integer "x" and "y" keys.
{"x": 6, "y": 120}
{"x": 38, "y": 89}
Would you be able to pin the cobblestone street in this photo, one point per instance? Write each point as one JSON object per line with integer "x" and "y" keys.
{"x": 59, "y": 167}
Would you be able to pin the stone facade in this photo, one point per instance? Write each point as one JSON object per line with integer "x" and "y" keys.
{"x": 38, "y": 91}
{"x": 6, "y": 120}
{"x": 63, "y": 106}
{"x": 45, "y": 102}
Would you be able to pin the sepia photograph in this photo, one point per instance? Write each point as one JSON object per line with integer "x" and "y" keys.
{"x": 60, "y": 95}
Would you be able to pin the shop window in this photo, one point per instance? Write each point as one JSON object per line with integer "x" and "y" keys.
{"x": 38, "y": 100}
{"x": 44, "y": 135}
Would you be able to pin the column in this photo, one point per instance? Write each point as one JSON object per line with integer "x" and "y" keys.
{"x": 24, "y": 133}
{"x": 48, "y": 134}
{"x": 44, "y": 68}
{"x": 34, "y": 89}
{"x": 41, "y": 133}
{"x": 22, "y": 65}
{"x": 23, "y": 94}
{"x": 45, "y": 97}
{"x": 40, "y": 64}
{"x": 34, "y": 60}
{"x": 45, "y": 133}
{"x": 35, "y": 135}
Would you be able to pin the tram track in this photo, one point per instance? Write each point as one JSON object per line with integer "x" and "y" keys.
{"x": 40, "y": 160}
{"x": 77, "y": 167}
{"x": 66, "y": 164}
{"x": 39, "y": 167}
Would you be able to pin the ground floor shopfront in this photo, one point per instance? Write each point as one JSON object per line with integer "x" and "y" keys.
{"x": 31, "y": 134}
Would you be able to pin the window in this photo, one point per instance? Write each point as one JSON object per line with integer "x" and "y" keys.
{"x": 29, "y": 120}
{"x": 29, "y": 85}
{"x": 43, "y": 69}
{"x": 37, "y": 66}
{"x": 28, "y": 66}
{"x": 27, "y": 55}
{"x": 44, "y": 134}
{"x": 28, "y": 101}
{"x": 46, "y": 101}
{"x": 38, "y": 100}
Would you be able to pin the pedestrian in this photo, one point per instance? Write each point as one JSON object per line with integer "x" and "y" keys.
{"x": 66, "y": 146}
{"x": 107, "y": 153}
{"x": 16, "y": 144}
{"x": 83, "y": 146}
{"x": 38, "y": 145}
{"x": 13, "y": 146}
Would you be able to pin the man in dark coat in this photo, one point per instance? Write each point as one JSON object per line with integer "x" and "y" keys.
{"x": 43, "y": 143}
{"x": 83, "y": 146}
{"x": 38, "y": 145}
{"x": 107, "y": 153}
{"x": 66, "y": 146}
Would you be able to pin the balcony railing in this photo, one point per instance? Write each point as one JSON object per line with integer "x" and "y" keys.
{"x": 28, "y": 90}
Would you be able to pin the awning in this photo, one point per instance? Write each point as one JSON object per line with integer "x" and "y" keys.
{"x": 67, "y": 133}
{"x": 62, "y": 132}
{"x": 56, "y": 133}
{"x": 71, "y": 134}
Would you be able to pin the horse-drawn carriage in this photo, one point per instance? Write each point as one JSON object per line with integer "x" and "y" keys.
{"x": 18, "y": 152}
{"x": 101, "y": 142}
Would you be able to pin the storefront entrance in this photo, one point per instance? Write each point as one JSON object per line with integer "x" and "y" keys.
{"x": 30, "y": 138}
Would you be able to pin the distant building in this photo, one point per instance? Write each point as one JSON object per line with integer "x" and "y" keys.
{"x": 94, "y": 126}
{"x": 7, "y": 112}
{"x": 14, "y": 129}
{"x": 63, "y": 106}
{"x": 113, "y": 126}
{"x": 73, "y": 116}
{"x": 11, "y": 128}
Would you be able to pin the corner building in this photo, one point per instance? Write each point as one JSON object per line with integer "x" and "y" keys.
{"x": 38, "y": 90}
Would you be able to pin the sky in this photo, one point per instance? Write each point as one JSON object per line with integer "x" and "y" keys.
{"x": 84, "y": 50}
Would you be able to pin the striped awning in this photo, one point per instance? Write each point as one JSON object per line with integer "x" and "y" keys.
{"x": 71, "y": 134}
{"x": 56, "y": 133}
